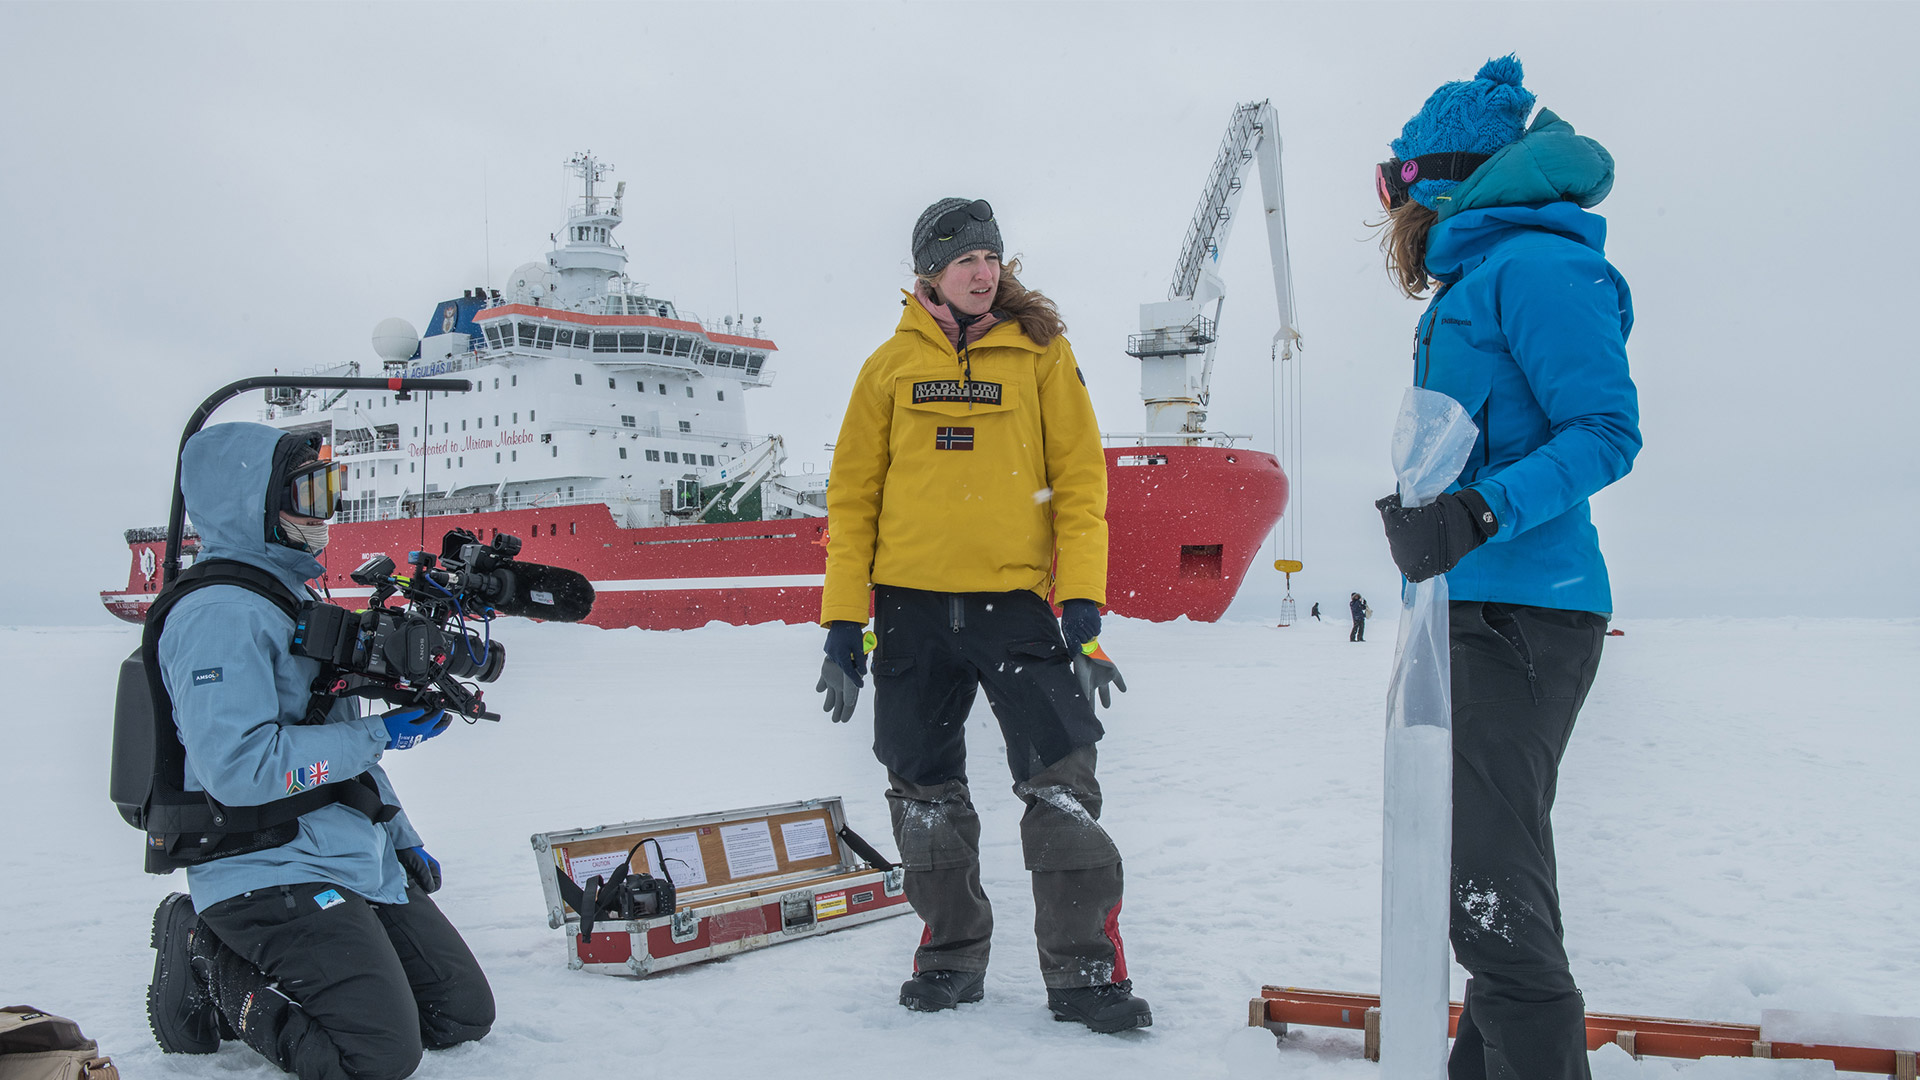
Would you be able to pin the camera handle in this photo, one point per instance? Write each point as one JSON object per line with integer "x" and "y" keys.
{"x": 177, "y": 515}
{"x": 439, "y": 696}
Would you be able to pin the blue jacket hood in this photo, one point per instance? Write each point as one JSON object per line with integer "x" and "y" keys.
{"x": 1459, "y": 243}
{"x": 1550, "y": 163}
{"x": 225, "y": 472}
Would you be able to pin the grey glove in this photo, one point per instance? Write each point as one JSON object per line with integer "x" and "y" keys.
{"x": 843, "y": 693}
{"x": 1097, "y": 671}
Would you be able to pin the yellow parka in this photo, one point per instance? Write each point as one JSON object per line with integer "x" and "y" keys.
{"x": 955, "y": 484}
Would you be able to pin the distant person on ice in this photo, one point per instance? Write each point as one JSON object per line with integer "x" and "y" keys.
{"x": 322, "y": 952}
{"x": 968, "y": 483}
{"x": 1527, "y": 330}
{"x": 1316, "y": 611}
{"x": 1359, "y": 609}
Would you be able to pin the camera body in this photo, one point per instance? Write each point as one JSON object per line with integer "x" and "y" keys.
{"x": 419, "y": 651}
{"x": 639, "y": 896}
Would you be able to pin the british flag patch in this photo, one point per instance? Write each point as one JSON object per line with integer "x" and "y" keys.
{"x": 953, "y": 438}
{"x": 316, "y": 774}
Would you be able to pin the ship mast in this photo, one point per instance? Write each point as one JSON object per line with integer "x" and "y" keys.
{"x": 589, "y": 257}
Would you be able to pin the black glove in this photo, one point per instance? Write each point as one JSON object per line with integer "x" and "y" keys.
{"x": 1432, "y": 539}
{"x": 422, "y": 868}
{"x": 841, "y": 672}
{"x": 1079, "y": 623}
{"x": 846, "y": 647}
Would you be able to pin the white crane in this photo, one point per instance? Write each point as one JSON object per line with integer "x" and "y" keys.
{"x": 1176, "y": 338}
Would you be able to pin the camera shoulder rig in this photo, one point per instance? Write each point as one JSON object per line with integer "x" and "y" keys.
{"x": 185, "y": 828}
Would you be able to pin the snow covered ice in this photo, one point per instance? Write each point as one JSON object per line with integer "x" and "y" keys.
{"x": 1734, "y": 829}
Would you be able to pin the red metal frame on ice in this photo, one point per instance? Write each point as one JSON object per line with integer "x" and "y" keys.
{"x": 1278, "y": 1006}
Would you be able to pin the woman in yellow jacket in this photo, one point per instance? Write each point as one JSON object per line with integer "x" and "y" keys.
{"x": 967, "y": 485}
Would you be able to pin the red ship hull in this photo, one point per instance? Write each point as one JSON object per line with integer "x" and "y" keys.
{"x": 1185, "y": 522}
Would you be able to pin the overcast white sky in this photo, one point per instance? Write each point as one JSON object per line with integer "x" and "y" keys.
{"x": 193, "y": 194}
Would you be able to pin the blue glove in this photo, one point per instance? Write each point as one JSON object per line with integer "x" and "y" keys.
{"x": 422, "y": 869}
{"x": 1079, "y": 623}
{"x": 846, "y": 647}
{"x": 412, "y": 724}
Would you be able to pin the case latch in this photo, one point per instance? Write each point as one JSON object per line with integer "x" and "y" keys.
{"x": 685, "y": 926}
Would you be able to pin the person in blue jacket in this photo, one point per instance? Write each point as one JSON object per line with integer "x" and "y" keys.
{"x": 1527, "y": 329}
{"x": 325, "y": 954}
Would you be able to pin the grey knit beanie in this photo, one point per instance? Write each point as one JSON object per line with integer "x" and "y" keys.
{"x": 932, "y": 253}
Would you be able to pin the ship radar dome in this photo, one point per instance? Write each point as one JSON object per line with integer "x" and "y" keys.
{"x": 530, "y": 283}
{"x": 395, "y": 340}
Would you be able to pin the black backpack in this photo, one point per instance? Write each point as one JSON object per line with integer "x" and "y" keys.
{"x": 185, "y": 828}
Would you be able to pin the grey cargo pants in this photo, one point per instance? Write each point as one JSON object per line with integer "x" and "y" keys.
{"x": 1076, "y": 874}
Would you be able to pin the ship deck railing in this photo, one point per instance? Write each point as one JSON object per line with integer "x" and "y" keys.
{"x": 1171, "y": 438}
{"x": 404, "y": 509}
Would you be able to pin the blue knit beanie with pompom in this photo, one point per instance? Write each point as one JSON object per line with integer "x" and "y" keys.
{"x": 1478, "y": 116}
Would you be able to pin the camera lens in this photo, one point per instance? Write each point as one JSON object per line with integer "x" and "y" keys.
{"x": 468, "y": 657}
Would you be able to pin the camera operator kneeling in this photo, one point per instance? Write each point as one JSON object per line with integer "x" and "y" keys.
{"x": 324, "y": 953}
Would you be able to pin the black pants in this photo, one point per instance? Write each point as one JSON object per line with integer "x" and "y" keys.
{"x": 935, "y": 651}
{"x": 1359, "y": 631}
{"x": 1520, "y": 675}
{"x": 372, "y": 983}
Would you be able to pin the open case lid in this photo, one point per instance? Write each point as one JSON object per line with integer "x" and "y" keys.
{"x": 708, "y": 856}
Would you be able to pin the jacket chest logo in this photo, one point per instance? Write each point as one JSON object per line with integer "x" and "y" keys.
{"x": 953, "y": 438}
{"x": 983, "y": 393}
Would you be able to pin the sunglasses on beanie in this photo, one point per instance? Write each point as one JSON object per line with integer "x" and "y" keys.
{"x": 951, "y": 222}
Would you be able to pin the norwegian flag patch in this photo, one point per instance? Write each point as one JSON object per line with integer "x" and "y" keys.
{"x": 953, "y": 438}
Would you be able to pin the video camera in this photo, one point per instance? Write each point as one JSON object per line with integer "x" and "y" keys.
{"x": 418, "y": 652}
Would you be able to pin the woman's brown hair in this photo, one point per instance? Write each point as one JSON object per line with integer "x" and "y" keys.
{"x": 1039, "y": 319}
{"x": 1404, "y": 242}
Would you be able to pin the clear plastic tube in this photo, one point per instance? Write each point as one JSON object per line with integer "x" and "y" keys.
{"x": 1431, "y": 440}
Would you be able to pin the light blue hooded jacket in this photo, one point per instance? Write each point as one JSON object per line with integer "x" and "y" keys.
{"x": 238, "y": 693}
{"x": 1528, "y": 332}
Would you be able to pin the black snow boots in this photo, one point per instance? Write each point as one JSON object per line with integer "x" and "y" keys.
{"x": 180, "y": 1008}
{"x": 1106, "y": 1009}
{"x": 932, "y": 991}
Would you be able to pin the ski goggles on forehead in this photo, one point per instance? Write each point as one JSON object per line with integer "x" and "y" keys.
{"x": 1393, "y": 178}
{"x": 951, "y": 222}
{"x": 317, "y": 491}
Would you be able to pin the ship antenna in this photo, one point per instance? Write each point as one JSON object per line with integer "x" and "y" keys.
{"x": 736, "y": 262}
{"x": 486, "y": 225}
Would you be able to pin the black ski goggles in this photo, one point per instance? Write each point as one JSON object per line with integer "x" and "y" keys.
{"x": 316, "y": 490}
{"x": 1393, "y": 178}
{"x": 950, "y": 223}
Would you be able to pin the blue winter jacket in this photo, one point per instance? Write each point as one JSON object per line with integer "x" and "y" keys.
{"x": 237, "y": 693}
{"x": 1528, "y": 332}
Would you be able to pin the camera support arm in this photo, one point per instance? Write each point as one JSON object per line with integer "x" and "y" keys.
{"x": 177, "y": 515}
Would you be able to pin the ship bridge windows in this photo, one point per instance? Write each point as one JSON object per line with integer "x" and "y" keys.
{"x": 543, "y": 338}
{"x": 525, "y": 333}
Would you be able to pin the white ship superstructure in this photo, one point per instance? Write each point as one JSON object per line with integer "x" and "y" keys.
{"x": 586, "y": 390}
